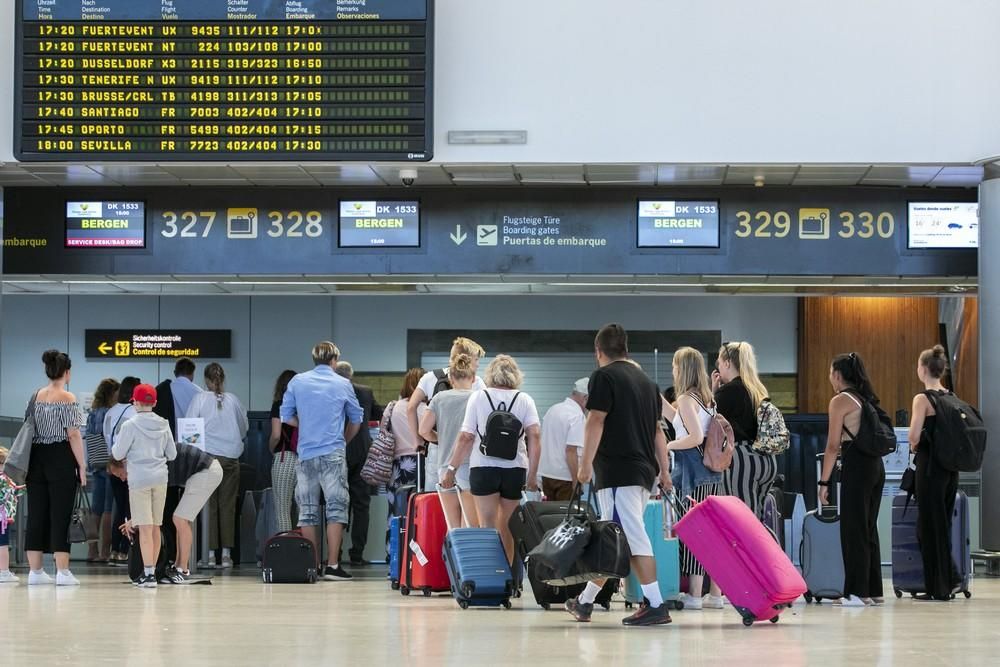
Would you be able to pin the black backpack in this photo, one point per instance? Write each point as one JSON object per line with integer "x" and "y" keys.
{"x": 503, "y": 431}
{"x": 959, "y": 437}
{"x": 875, "y": 436}
{"x": 442, "y": 382}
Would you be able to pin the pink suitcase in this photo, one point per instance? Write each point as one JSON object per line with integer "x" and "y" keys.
{"x": 742, "y": 557}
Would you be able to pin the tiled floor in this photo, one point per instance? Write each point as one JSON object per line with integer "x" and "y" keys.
{"x": 239, "y": 621}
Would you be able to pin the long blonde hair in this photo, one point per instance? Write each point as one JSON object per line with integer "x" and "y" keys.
{"x": 743, "y": 359}
{"x": 691, "y": 376}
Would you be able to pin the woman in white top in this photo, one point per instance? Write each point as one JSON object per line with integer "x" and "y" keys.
{"x": 425, "y": 388}
{"x": 225, "y": 430}
{"x": 690, "y": 476}
{"x": 441, "y": 426}
{"x": 496, "y": 482}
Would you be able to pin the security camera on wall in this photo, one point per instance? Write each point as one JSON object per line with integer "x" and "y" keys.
{"x": 408, "y": 177}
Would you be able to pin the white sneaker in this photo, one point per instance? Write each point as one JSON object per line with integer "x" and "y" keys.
{"x": 40, "y": 579}
{"x": 712, "y": 602}
{"x": 8, "y": 577}
{"x": 210, "y": 565}
{"x": 227, "y": 562}
{"x": 852, "y": 601}
{"x": 691, "y": 602}
{"x": 66, "y": 579}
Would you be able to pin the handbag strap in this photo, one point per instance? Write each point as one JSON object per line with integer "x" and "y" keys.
{"x": 30, "y": 411}
{"x": 82, "y": 499}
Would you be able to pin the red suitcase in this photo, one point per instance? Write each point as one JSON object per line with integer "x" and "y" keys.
{"x": 741, "y": 556}
{"x": 423, "y": 543}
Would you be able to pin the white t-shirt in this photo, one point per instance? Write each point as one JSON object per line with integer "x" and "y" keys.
{"x": 478, "y": 411}
{"x": 428, "y": 381}
{"x": 562, "y": 427}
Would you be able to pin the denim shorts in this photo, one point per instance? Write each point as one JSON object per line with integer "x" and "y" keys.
{"x": 326, "y": 474}
{"x": 5, "y": 535}
{"x": 102, "y": 500}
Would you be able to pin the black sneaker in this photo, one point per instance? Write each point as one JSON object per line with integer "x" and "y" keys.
{"x": 336, "y": 574}
{"x": 359, "y": 562}
{"x": 146, "y": 581}
{"x": 580, "y": 610}
{"x": 648, "y": 615}
{"x": 179, "y": 577}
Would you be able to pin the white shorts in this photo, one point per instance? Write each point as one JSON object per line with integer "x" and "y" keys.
{"x": 434, "y": 469}
{"x": 198, "y": 489}
{"x": 626, "y": 505}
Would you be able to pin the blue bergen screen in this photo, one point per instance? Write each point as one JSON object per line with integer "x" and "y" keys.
{"x": 105, "y": 224}
{"x": 379, "y": 224}
{"x": 686, "y": 224}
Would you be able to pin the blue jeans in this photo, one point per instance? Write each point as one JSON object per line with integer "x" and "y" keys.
{"x": 102, "y": 501}
{"x": 326, "y": 474}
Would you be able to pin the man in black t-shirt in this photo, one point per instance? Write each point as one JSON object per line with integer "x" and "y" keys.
{"x": 624, "y": 445}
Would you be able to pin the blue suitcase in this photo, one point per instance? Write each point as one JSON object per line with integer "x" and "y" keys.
{"x": 396, "y": 525}
{"x": 907, "y": 563}
{"x": 477, "y": 566}
{"x": 665, "y": 551}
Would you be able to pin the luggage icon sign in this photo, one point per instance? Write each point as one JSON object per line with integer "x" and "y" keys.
{"x": 241, "y": 223}
{"x": 814, "y": 223}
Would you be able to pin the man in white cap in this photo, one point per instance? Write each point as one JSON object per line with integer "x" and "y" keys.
{"x": 562, "y": 443}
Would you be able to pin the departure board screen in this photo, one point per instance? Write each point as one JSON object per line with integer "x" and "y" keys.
{"x": 672, "y": 224}
{"x": 379, "y": 224}
{"x": 105, "y": 224}
{"x": 162, "y": 80}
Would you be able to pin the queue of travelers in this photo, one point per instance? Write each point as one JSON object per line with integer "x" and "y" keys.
{"x": 614, "y": 430}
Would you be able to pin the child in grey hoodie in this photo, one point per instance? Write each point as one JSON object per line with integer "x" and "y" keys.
{"x": 146, "y": 444}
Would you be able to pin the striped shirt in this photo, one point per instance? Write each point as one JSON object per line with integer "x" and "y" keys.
{"x": 53, "y": 420}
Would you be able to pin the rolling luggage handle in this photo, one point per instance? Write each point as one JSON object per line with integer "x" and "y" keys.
{"x": 458, "y": 490}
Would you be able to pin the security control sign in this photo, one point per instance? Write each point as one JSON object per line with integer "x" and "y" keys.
{"x": 105, "y": 224}
{"x": 669, "y": 224}
{"x": 382, "y": 224}
{"x": 112, "y": 344}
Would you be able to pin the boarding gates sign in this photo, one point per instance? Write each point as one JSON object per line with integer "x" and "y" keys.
{"x": 506, "y": 231}
{"x": 131, "y": 344}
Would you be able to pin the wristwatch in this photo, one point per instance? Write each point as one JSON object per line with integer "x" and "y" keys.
{"x": 452, "y": 468}
{"x": 822, "y": 483}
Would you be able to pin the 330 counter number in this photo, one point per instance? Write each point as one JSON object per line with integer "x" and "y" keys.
{"x": 884, "y": 225}
{"x": 313, "y": 221}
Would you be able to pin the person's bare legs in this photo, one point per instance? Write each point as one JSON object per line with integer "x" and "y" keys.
{"x": 185, "y": 536}
{"x": 487, "y": 508}
{"x": 334, "y": 538}
{"x": 149, "y": 544}
{"x": 502, "y": 525}
{"x": 35, "y": 560}
{"x": 452, "y": 510}
{"x": 62, "y": 561}
{"x": 94, "y": 522}
{"x": 4, "y": 559}
{"x": 471, "y": 511}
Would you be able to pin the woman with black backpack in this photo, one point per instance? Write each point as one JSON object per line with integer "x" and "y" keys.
{"x": 935, "y": 486}
{"x": 862, "y": 478}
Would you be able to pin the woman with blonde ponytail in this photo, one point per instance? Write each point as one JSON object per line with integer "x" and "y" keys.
{"x": 738, "y": 394}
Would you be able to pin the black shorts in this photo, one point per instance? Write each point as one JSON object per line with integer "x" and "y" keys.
{"x": 508, "y": 482}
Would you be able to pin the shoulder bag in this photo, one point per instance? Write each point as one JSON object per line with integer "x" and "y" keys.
{"x": 19, "y": 457}
{"x": 377, "y": 469}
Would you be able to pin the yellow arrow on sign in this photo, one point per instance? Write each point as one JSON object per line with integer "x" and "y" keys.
{"x": 104, "y": 348}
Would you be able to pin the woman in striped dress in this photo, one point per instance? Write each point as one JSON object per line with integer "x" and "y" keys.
{"x": 738, "y": 395}
{"x": 283, "y": 443}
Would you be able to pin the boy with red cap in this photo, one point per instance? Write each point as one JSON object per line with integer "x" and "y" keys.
{"x": 145, "y": 443}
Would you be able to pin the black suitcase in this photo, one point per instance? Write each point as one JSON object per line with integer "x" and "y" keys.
{"x": 528, "y": 525}
{"x": 289, "y": 558}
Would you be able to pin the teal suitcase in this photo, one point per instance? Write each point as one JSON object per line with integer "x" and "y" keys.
{"x": 667, "y": 554}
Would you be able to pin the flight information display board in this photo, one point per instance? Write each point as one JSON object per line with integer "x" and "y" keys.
{"x": 162, "y": 80}
{"x": 672, "y": 224}
{"x": 379, "y": 224}
{"x": 105, "y": 224}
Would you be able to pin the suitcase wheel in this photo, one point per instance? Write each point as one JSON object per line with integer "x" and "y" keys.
{"x": 747, "y": 621}
{"x": 809, "y": 598}
{"x": 628, "y": 605}
{"x": 968, "y": 594}
{"x": 404, "y": 590}
{"x": 427, "y": 592}
{"x": 506, "y": 604}
{"x": 678, "y": 605}
{"x": 774, "y": 619}
{"x": 898, "y": 592}
{"x": 606, "y": 605}
{"x": 546, "y": 606}
{"x": 463, "y": 604}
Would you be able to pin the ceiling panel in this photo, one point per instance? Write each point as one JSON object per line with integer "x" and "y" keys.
{"x": 615, "y": 174}
{"x": 832, "y": 174}
{"x": 690, "y": 174}
{"x": 963, "y": 177}
{"x": 901, "y": 175}
{"x": 190, "y": 172}
{"x": 331, "y": 174}
{"x": 550, "y": 174}
{"x": 748, "y": 174}
{"x": 426, "y": 174}
{"x": 493, "y": 174}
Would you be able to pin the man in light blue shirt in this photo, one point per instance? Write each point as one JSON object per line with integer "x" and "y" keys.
{"x": 319, "y": 402}
{"x": 183, "y": 387}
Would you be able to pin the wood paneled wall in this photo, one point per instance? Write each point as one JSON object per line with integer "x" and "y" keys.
{"x": 888, "y": 334}
{"x": 966, "y": 354}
